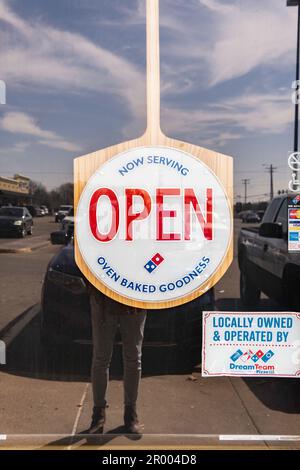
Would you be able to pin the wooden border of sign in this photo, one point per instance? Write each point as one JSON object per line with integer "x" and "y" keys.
{"x": 220, "y": 164}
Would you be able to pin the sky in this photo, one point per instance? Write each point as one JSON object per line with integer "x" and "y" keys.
{"x": 75, "y": 78}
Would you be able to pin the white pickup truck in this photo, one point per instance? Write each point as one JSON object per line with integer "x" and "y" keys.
{"x": 265, "y": 263}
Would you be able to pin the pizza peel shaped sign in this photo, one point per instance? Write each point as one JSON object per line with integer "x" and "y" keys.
{"x": 153, "y": 225}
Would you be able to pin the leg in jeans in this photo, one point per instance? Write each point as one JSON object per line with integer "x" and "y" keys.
{"x": 132, "y": 331}
{"x": 104, "y": 326}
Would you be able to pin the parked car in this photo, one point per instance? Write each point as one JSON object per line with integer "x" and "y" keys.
{"x": 35, "y": 211}
{"x": 261, "y": 214}
{"x": 40, "y": 212}
{"x": 66, "y": 311}
{"x": 265, "y": 263}
{"x": 45, "y": 209}
{"x": 16, "y": 221}
{"x": 250, "y": 217}
{"x": 62, "y": 212}
{"x": 68, "y": 220}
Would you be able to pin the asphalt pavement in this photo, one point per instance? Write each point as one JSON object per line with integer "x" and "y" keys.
{"x": 48, "y": 402}
{"x": 21, "y": 277}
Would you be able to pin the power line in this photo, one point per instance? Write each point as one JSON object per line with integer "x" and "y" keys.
{"x": 284, "y": 169}
{"x": 39, "y": 172}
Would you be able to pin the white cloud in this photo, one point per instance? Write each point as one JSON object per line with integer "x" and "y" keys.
{"x": 232, "y": 118}
{"x": 34, "y": 53}
{"x": 130, "y": 16}
{"x": 7, "y": 15}
{"x": 61, "y": 144}
{"x": 217, "y": 41}
{"x": 18, "y": 147}
{"x": 220, "y": 140}
{"x": 22, "y": 123}
{"x": 240, "y": 37}
{"x": 249, "y": 34}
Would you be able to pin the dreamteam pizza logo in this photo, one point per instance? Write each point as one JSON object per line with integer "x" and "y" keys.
{"x": 153, "y": 224}
{"x": 249, "y": 357}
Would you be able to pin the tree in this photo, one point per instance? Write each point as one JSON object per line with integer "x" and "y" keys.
{"x": 39, "y": 194}
{"x": 64, "y": 194}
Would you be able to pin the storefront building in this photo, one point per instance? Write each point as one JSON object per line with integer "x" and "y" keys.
{"x": 15, "y": 191}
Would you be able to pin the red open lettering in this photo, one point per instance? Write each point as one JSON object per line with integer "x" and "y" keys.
{"x": 106, "y": 237}
{"x": 132, "y": 216}
{"x": 206, "y": 225}
{"x": 190, "y": 202}
{"x": 162, "y": 213}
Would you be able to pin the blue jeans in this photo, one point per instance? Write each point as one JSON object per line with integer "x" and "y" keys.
{"x": 106, "y": 317}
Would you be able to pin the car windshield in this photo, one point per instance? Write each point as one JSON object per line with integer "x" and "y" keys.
{"x": 12, "y": 211}
{"x": 64, "y": 208}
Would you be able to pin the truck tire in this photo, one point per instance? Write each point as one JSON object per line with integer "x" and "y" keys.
{"x": 249, "y": 293}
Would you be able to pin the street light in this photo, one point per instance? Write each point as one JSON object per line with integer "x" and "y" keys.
{"x": 296, "y": 3}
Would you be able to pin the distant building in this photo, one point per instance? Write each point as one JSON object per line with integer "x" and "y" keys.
{"x": 15, "y": 191}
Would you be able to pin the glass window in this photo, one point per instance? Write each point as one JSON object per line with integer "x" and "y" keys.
{"x": 272, "y": 210}
{"x": 282, "y": 216}
{"x": 11, "y": 211}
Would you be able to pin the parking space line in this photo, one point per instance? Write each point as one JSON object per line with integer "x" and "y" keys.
{"x": 260, "y": 437}
{"x": 80, "y": 408}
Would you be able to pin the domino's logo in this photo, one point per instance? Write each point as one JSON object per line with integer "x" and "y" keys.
{"x": 154, "y": 262}
{"x": 236, "y": 355}
{"x": 267, "y": 356}
{"x": 296, "y": 199}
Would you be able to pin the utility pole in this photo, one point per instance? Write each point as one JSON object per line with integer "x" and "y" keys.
{"x": 245, "y": 182}
{"x": 271, "y": 169}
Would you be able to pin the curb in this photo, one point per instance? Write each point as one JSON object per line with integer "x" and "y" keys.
{"x": 26, "y": 249}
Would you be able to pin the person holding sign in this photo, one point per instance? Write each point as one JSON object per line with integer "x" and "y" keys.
{"x": 107, "y": 315}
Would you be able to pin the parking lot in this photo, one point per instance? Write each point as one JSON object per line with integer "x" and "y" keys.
{"x": 48, "y": 402}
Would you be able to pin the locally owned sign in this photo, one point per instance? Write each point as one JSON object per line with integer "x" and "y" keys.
{"x": 251, "y": 344}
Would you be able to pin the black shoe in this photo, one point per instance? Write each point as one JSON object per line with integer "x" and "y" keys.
{"x": 131, "y": 422}
{"x": 98, "y": 420}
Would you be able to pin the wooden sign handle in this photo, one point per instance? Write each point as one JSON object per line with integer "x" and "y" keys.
{"x": 153, "y": 70}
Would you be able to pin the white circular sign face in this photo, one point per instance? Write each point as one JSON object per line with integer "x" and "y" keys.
{"x": 153, "y": 224}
